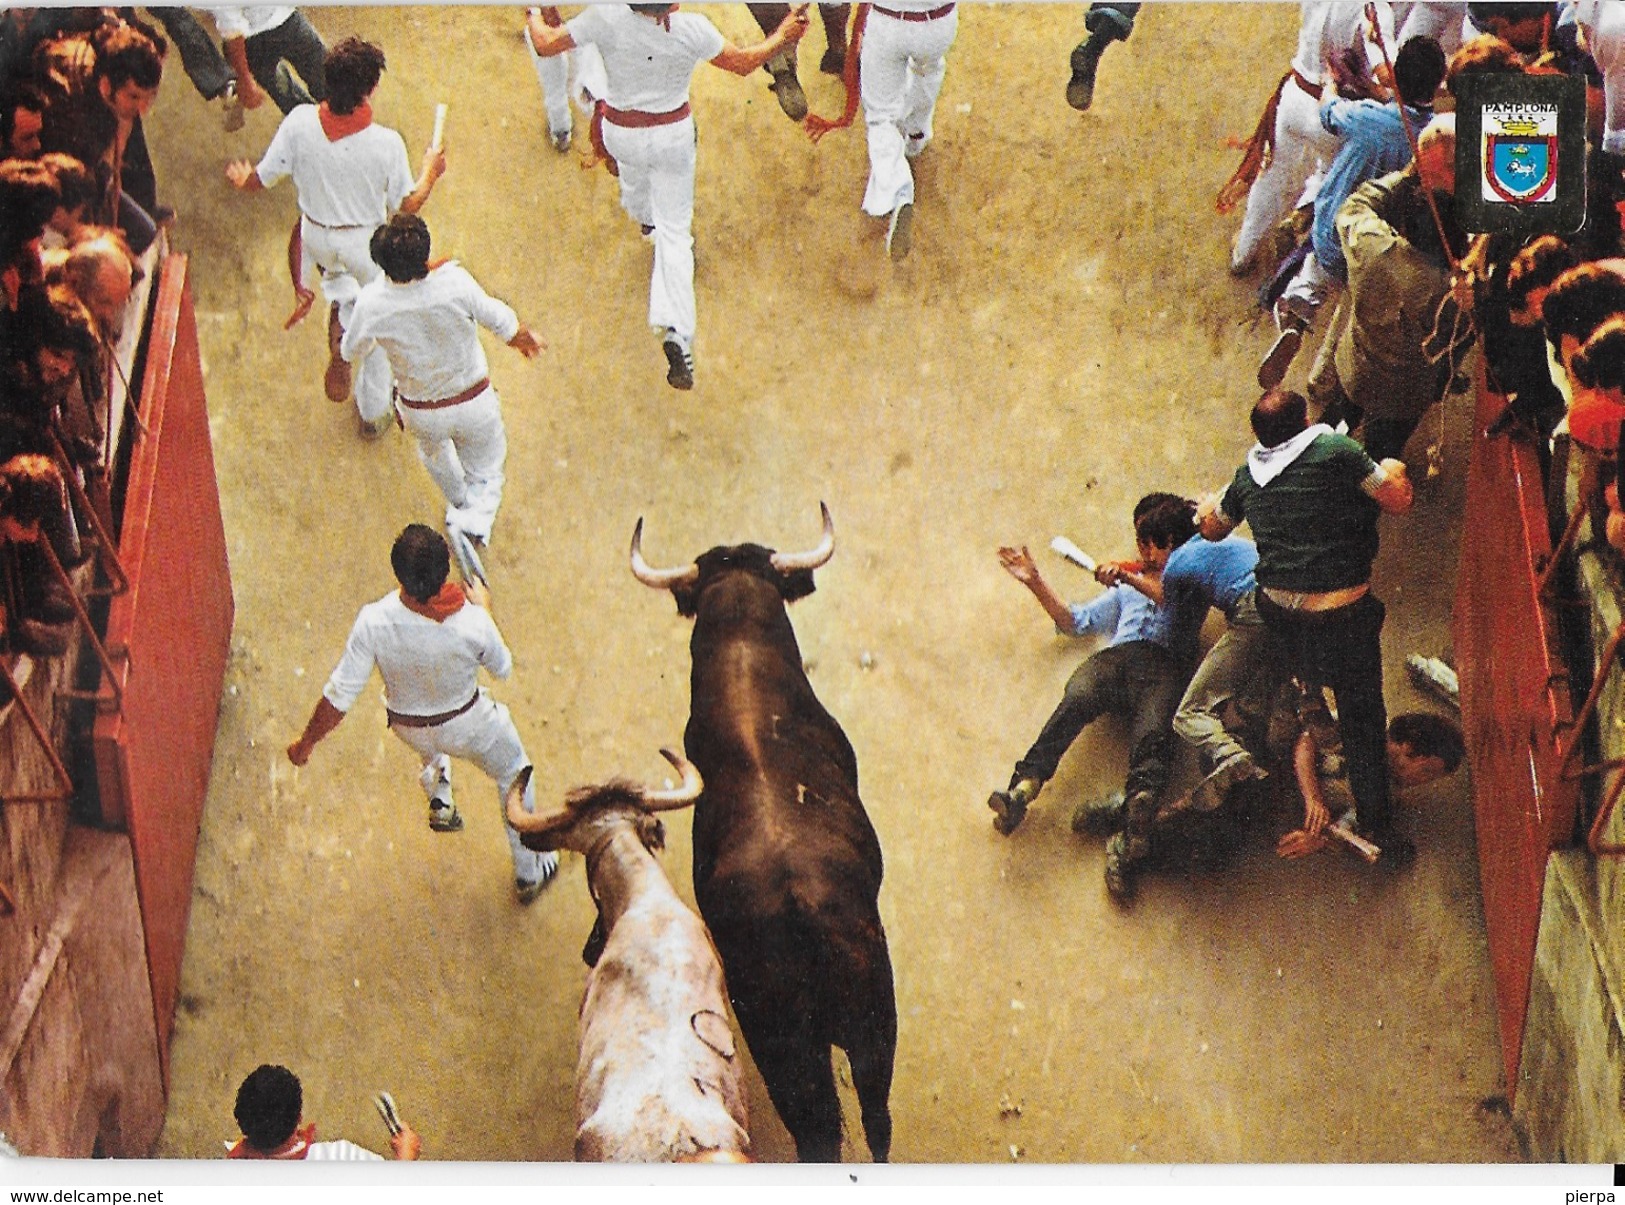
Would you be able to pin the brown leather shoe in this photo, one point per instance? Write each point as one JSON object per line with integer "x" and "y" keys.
{"x": 336, "y": 382}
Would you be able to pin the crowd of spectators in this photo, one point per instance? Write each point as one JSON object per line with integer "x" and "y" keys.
{"x": 78, "y": 208}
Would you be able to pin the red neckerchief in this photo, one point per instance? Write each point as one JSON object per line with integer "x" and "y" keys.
{"x": 297, "y": 1147}
{"x": 342, "y": 125}
{"x": 441, "y": 607}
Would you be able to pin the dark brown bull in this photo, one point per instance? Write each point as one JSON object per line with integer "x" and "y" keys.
{"x": 787, "y": 867}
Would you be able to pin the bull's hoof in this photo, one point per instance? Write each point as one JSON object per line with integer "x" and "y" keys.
{"x": 1008, "y": 811}
{"x": 833, "y": 62}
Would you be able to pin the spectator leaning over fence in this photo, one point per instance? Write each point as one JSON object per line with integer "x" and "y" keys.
{"x": 1514, "y": 341}
{"x": 77, "y": 189}
{"x": 99, "y": 86}
{"x": 100, "y": 271}
{"x": 1578, "y": 302}
{"x": 22, "y": 117}
{"x": 1599, "y": 409}
{"x": 270, "y": 1110}
{"x": 1312, "y": 498}
{"x": 350, "y": 175}
{"x": 35, "y": 613}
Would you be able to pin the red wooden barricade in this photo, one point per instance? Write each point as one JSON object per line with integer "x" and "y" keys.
{"x": 1514, "y": 700}
{"x": 174, "y": 626}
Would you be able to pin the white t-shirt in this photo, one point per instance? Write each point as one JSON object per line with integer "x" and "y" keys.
{"x": 358, "y": 180}
{"x": 428, "y": 667}
{"x": 250, "y": 20}
{"x": 427, "y": 329}
{"x": 649, "y": 67}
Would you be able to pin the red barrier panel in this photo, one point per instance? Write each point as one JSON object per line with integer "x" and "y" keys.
{"x": 153, "y": 755}
{"x": 1514, "y": 696}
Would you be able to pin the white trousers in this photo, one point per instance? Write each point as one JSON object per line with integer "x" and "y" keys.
{"x": 342, "y": 257}
{"x": 1303, "y": 148}
{"x": 553, "y": 74}
{"x": 657, "y": 189}
{"x": 464, "y": 447}
{"x": 1607, "y": 46}
{"x": 484, "y": 735}
{"x": 902, "y": 69}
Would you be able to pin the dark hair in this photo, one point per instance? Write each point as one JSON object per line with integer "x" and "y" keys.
{"x": 1600, "y": 362}
{"x": 1418, "y": 70}
{"x": 29, "y": 195}
{"x": 31, "y": 489}
{"x": 1538, "y": 266}
{"x": 56, "y": 319}
{"x": 401, "y": 248}
{"x": 1278, "y": 416}
{"x": 18, "y": 96}
{"x": 124, "y": 54}
{"x": 269, "y": 1105}
{"x": 1580, "y": 301}
{"x": 73, "y": 179}
{"x": 421, "y": 561}
{"x": 1429, "y": 735}
{"x": 1164, "y": 520}
{"x": 353, "y": 68}
{"x": 1514, "y": 11}
{"x": 1484, "y": 55}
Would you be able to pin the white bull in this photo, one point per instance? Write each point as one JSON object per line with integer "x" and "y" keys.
{"x": 658, "y": 1079}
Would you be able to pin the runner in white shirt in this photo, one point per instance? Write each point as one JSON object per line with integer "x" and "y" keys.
{"x": 650, "y": 52}
{"x": 428, "y": 641}
{"x": 426, "y": 322}
{"x": 350, "y": 176}
{"x": 903, "y": 64}
{"x": 269, "y": 1108}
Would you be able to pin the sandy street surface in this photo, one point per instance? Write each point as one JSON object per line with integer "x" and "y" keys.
{"x": 1063, "y": 338}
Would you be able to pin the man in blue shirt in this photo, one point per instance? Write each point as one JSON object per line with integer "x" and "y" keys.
{"x": 1139, "y": 675}
{"x": 1373, "y": 143}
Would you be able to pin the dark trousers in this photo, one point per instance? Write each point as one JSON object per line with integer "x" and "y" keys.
{"x": 201, "y": 59}
{"x": 296, "y": 43}
{"x": 1113, "y": 22}
{"x": 1342, "y": 650}
{"x": 1140, "y": 681}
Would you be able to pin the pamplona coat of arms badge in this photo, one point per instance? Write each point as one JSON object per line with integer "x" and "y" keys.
{"x": 1520, "y": 154}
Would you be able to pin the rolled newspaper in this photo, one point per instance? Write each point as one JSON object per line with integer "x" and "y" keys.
{"x": 1069, "y": 551}
{"x": 439, "y": 126}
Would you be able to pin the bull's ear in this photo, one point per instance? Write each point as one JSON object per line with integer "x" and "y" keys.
{"x": 652, "y": 832}
{"x": 796, "y": 584}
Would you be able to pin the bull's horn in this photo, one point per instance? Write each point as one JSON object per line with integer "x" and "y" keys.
{"x": 679, "y": 796}
{"x": 530, "y": 822}
{"x": 660, "y": 579}
{"x": 790, "y": 562}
